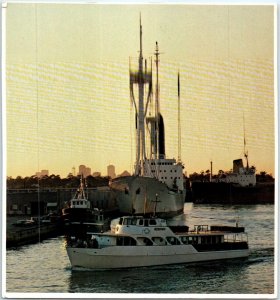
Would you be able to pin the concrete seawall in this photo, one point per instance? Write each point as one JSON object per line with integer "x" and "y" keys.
{"x": 34, "y": 201}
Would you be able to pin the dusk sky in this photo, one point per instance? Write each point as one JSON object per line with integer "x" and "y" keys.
{"x": 68, "y": 84}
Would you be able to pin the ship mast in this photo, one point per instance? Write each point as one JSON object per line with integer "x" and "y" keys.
{"x": 157, "y": 101}
{"x": 245, "y": 152}
{"x": 179, "y": 121}
{"x": 140, "y": 77}
{"x": 141, "y": 130}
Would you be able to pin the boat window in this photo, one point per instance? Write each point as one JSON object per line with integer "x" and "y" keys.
{"x": 208, "y": 239}
{"x": 146, "y": 223}
{"x": 129, "y": 221}
{"x": 125, "y": 241}
{"x": 121, "y": 221}
{"x": 173, "y": 240}
{"x": 184, "y": 239}
{"x": 93, "y": 243}
{"x": 148, "y": 242}
{"x": 153, "y": 222}
{"x": 141, "y": 222}
{"x": 133, "y": 221}
{"x": 159, "y": 241}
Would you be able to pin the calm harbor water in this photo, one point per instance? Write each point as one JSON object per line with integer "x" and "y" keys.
{"x": 45, "y": 267}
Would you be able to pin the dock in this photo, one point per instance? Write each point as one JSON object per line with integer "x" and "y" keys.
{"x": 22, "y": 235}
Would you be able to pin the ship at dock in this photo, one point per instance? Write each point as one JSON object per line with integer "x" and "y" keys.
{"x": 157, "y": 182}
{"x": 238, "y": 186}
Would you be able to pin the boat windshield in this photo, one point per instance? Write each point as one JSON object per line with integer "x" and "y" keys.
{"x": 130, "y": 221}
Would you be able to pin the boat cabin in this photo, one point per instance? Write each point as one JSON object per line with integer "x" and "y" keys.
{"x": 79, "y": 203}
{"x": 144, "y": 231}
{"x": 138, "y": 225}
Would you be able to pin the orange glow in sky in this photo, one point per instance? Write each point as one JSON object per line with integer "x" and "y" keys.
{"x": 68, "y": 84}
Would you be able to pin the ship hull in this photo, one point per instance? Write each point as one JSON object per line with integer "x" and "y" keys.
{"x": 138, "y": 195}
{"x": 144, "y": 256}
{"x": 228, "y": 193}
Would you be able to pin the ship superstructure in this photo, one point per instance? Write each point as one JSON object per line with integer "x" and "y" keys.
{"x": 241, "y": 175}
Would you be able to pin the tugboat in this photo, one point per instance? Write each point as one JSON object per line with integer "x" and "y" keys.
{"x": 155, "y": 176}
{"x": 79, "y": 217}
{"x": 139, "y": 241}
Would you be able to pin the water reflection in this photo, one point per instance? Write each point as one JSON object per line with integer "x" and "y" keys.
{"x": 187, "y": 278}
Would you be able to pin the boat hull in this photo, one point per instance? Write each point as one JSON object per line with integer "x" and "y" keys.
{"x": 144, "y": 256}
{"x": 137, "y": 195}
{"x": 228, "y": 193}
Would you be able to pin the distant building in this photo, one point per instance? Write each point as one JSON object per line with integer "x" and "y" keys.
{"x": 42, "y": 173}
{"x": 124, "y": 173}
{"x": 111, "y": 171}
{"x": 85, "y": 171}
{"x": 96, "y": 174}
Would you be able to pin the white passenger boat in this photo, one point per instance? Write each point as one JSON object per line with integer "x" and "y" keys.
{"x": 137, "y": 241}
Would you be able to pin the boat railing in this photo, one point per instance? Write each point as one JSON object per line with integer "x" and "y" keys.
{"x": 236, "y": 237}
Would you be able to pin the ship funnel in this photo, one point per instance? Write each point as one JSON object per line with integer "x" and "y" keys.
{"x": 237, "y": 164}
{"x": 161, "y": 137}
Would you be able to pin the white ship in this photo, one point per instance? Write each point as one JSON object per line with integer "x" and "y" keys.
{"x": 157, "y": 181}
{"x": 243, "y": 176}
{"x": 136, "y": 241}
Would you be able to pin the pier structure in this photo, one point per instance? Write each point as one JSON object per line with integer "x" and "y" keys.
{"x": 45, "y": 200}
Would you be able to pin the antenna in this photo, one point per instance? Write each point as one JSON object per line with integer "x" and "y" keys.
{"x": 179, "y": 121}
{"x": 140, "y": 38}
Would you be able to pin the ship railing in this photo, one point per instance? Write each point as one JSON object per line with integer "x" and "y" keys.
{"x": 236, "y": 237}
